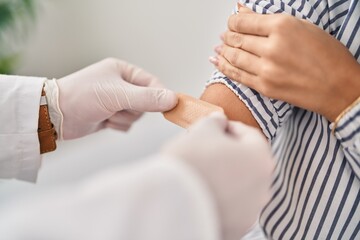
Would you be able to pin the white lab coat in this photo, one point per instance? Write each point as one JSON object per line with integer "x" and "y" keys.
{"x": 158, "y": 199}
{"x": 19, "y": 144}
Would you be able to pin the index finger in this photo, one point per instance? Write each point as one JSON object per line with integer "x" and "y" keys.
{"x": 250, "y": 23}
{"x": 142, "y": 78}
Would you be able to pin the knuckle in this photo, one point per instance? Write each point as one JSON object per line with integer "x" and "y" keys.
{"x": 232, "y": 56}
{"x": 223, "y": 68}
{"x": 238, "y": 40}
{"x": 227, "y": 37}
{"x": 269, "y": 71}
{"x": 281, "y": 23}
{"x": 236, "y": 75}
{"x": 272, "y": 49}
{"x": 230, "y": 72}
{"x": 243, "y": 57}
{"x": 234, "y": 39}
{"x": 266, "y": 71}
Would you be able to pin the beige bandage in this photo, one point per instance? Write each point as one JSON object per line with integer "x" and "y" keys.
{"x": 189, "y": 110}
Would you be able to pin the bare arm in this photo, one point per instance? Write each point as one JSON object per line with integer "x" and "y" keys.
{"x": 234, "y": 108}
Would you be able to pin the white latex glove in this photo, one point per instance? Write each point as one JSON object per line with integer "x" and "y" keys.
{"x": 111, "y": 93}
{"x": 236, "y": 161}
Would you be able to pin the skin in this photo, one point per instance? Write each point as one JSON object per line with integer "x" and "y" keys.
{"x": 314, "y": 71}
{"x": 220, "y": 95}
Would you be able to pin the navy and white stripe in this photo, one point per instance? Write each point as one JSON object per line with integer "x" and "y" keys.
{"x": 316, "y": 187}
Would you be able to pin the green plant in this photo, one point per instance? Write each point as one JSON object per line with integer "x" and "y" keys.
{"x": 15, "y": 18}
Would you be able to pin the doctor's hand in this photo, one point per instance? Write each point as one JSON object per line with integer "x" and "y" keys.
{"x": 236, "y": 163}
{"x": 108, "y": 94}
{"x": 289, "y": 59}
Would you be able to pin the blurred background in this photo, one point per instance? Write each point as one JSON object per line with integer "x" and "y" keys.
{"x": 53, "y": 38}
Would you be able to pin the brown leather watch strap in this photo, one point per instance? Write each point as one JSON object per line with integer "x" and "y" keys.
{"x": 46, "y": 131}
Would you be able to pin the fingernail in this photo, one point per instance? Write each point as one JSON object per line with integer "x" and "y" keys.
{"x": 218, "y": 49}
{"x": 214, "y": 60}
{"x": 222, "y": 37}
{"x": 168, "y": 99}
{"x": 173, "y": 97}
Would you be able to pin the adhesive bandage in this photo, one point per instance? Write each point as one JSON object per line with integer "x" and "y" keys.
{"x": 189, "y": 110}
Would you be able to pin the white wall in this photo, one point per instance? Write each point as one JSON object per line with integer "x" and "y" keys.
{"x": 169, "y": 38}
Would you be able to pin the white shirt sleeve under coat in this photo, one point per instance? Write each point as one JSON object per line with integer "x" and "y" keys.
{"x": 19, "y": 144}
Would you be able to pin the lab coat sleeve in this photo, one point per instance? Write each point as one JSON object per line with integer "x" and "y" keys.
{"x": 160, "y": 199}
{"x": 19, "y": 143}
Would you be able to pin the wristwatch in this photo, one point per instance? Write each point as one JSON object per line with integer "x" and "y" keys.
{"x": 46, "y": 131}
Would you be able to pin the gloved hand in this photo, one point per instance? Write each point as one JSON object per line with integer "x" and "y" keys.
{"x": 111, "y": 93}
{"x": 236, "y": 162}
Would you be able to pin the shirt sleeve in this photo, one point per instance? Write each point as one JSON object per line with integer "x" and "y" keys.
{"x": 315, "y": 11}
{"x": 269, "y": 113}
{"x": 19, "y": 144}
{"x": 348, "y": 133}
{"x": 160, "y": 199}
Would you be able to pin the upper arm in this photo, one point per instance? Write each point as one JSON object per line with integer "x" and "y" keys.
{"x": 246, "y": 105}
{"x": 219, "y": 94}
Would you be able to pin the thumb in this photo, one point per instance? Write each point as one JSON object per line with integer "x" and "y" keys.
{"x": 146, "y": 99}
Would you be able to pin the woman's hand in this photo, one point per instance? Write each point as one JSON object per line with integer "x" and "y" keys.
{"x": 289, "y": 59}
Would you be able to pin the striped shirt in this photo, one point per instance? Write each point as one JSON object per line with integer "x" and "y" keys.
{"x": 316, "y": 187}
